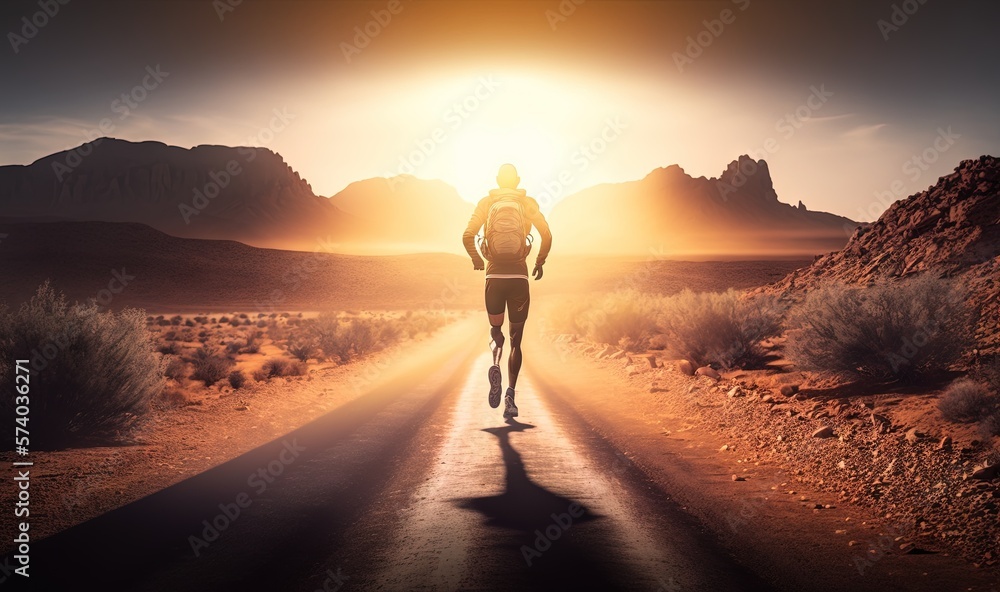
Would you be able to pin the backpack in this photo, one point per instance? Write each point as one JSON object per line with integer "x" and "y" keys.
{"x": 504, "y": 238}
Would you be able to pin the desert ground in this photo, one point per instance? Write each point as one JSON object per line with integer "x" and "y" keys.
{"x": 736, "y": 453}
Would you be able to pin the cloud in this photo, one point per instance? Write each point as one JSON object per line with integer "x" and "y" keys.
{"x": 826, "y": 118}
{"x": 864, "y": 131}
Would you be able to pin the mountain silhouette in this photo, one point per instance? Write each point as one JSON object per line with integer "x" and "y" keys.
{"x": 253, "y": 196}
{"x": 736, "y": 213}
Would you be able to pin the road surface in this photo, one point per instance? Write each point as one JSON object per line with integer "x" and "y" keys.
{"x": 417, "y": 484}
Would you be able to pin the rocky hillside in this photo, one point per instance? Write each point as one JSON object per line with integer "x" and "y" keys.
{"x": 735, "y": 213}
{"x": 951, "y": 229}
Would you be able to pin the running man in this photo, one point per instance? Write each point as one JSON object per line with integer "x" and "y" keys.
{"x": 508, "y": 215}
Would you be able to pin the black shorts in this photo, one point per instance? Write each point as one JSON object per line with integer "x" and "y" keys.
{"x": 508, "y": 293}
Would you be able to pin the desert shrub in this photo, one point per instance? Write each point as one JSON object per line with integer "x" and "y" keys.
{"x": 329, "y": 335}
{"x": 237, "y": 379}
{"x": 283, "y": 367}
{"x": 163, "y": 323}
{"x": 224, "y": 320}
{"x": 966, "y": 401}
{"x": 171, "y": 398}
{"x": 234, "y": 346}
{"x": 302, "y": 349}
{"x": 176, "y": 369}
{"x": 93, "y": 373}
{"x": 209, "y": 366}
{"x": 252, "y": 342}
{"x": 625, "y": 318}
{"x": 260, "y": 375}
{"x": 213, "y": 321}
{"x": 171, "y": 336}
{"x": 342, "y": 341}
{"x": 261, "y": 324}
{"x": 176, "y": 319}
{"x": 989, "y": 373}
{"x": 412, "y": 324}
{"x": 724, "y": 328}
{"x": 169, "y": 349}
{"x": 885, "y": 331}
{"x": 243, "y": 315}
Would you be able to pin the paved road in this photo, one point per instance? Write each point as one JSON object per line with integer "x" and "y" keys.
{"x": 417, "y": 485}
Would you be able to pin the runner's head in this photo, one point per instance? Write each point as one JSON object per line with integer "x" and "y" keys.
{"x": 507, "y": 177}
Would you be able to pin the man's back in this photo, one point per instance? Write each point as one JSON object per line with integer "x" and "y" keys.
{"x": 532, "y": 217}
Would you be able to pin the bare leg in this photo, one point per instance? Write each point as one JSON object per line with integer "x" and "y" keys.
{"x": 514, "y": 361}
{"x": 496, "y": 334}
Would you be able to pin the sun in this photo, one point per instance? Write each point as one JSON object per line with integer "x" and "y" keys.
{"x": 471, "y": 160}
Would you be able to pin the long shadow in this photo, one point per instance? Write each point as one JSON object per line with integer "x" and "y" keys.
{"x": 863, "y": 388}
{"x": 524, "y": 505}
{"x": 574, "y": 556}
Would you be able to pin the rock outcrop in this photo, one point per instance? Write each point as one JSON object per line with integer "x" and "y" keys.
{"x": 952, "y": 229}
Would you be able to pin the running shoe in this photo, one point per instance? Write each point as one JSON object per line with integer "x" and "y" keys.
{"x": 495, "y": 386}
{"x": 509, "y": 408}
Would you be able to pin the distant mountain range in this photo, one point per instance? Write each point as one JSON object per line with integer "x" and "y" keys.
{"x": 253, "y": 196}
{"x": 670, "y": 211}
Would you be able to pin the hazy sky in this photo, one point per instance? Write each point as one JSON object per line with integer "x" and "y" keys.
{"x": 838, "y": 103}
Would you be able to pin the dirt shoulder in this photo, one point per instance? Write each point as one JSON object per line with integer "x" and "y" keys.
{"x": 72, "y": 486}
{"x": 778, "y": 498}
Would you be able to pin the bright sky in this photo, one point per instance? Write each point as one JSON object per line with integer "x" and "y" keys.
{"x": 843, "y": 104}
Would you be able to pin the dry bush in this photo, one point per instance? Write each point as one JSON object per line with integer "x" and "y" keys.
{"x": 234, "y": 346}
{"x": 282, "y": 367}
{"x": 209, "y": 366}
{"x": 237, "y": 379}
{"x": 169, "y": 349}
{"x": 626, "y": 319}
{"x": 252, "y": 342}
{"x": 303, "y": 348}
{"x": 94, "y": 373}
{"x": 622, "y": 318}
{"x": 172, "y": 397}
{"x": 967, "y": 401}
{"x": 176, "y": 369}
{"x": 989, "y": 373}
{"x": 413, "y": 324}
{"x": 721, "y": 328}
{"x": 887, "y": 331}
{"x": 343, "y": 340}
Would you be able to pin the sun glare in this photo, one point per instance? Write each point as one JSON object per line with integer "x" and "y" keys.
{"x": 528, "y": 121}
